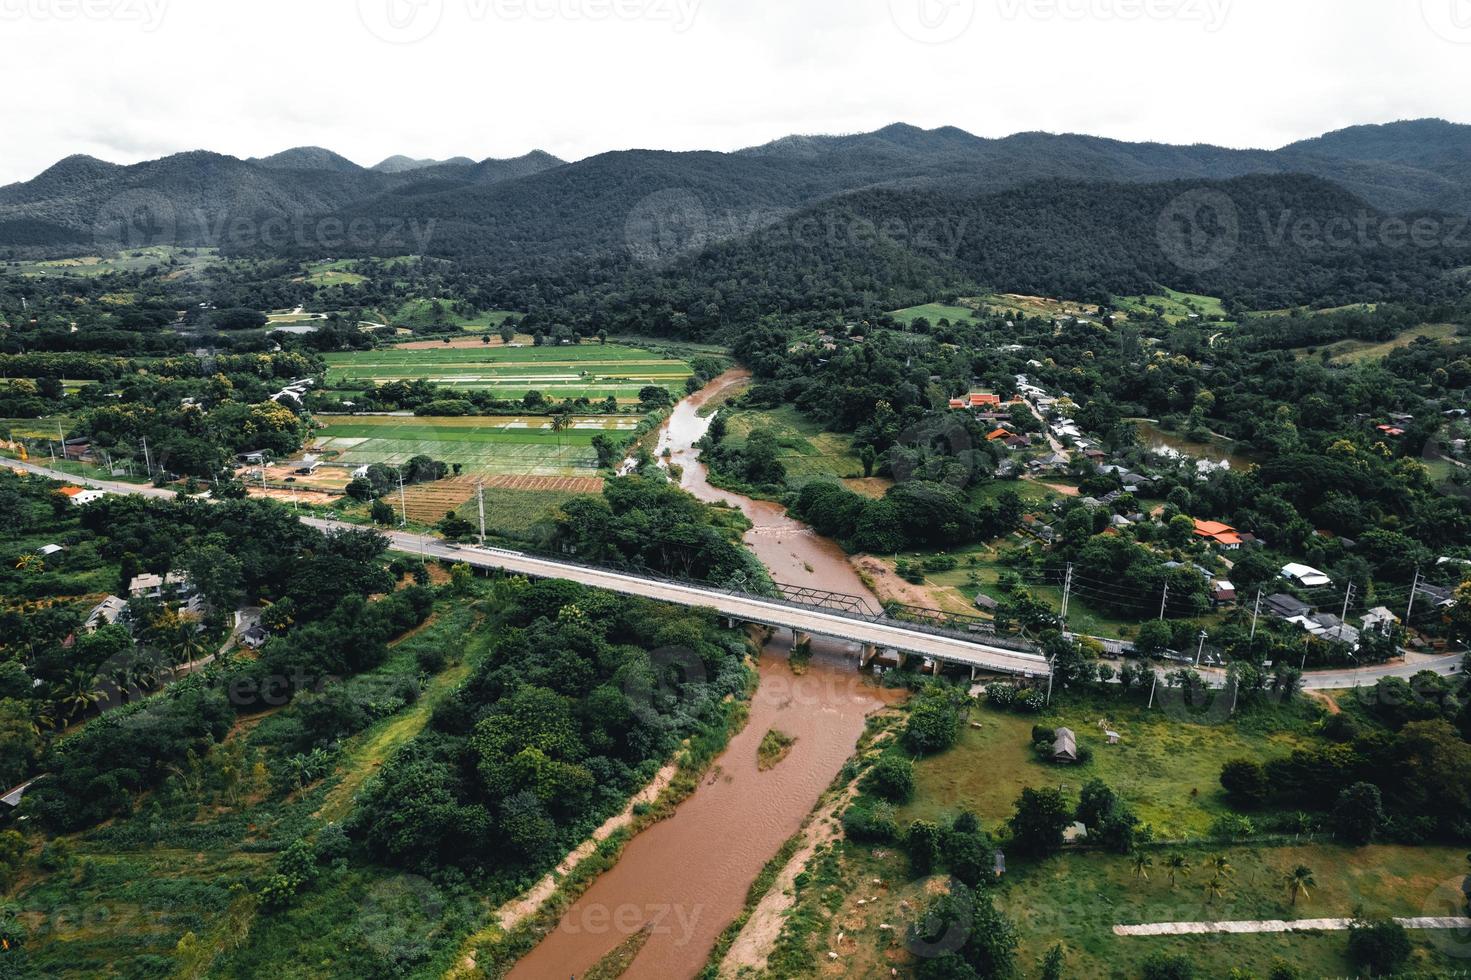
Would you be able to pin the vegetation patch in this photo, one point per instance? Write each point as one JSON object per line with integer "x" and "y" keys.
{"x": 775, "y": 746}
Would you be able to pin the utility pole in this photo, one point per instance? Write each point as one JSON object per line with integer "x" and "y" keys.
{"x": 1347, "y": 598}
{"x": 1153, "y": 687}
{"x": 1051, "y": 672}
{"x": 1414, "y": 590}
{"x": 402, "y": 503}
{"x": 1256, "y": 612}
{"x": 480, "y": 502}
{"x": 1163, "y": 601}
{"x": 1067, "y": 592}
{"x": 147, "y": 459}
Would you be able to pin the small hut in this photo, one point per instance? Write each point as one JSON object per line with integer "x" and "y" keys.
{"x": 1065, "y": 749}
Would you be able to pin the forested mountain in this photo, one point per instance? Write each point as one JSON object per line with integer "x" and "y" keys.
{"x": 399, "y": 163}
{"x": 538, "y": 215}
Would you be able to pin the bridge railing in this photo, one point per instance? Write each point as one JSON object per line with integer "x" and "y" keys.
{"x": 849, "y": 607}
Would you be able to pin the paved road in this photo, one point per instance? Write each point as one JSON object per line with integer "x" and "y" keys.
{"x": 768, "y": 613}
{"x": 744, "y": 608}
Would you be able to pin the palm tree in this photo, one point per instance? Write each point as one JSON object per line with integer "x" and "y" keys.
{"x": 1299, "y": 881}
{"x": 1142, "y": 863}
{"x": 561, "y": 422}
{"x": 1222, "y": 867}
{"x": 1178, "y": 866}
{"x": 80, "y": 692}
{"x": 1213, "y": 889}
{"x": 30, "y": 563}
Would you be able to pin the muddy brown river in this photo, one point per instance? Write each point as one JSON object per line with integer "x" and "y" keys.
{"x": 685, "y": 878}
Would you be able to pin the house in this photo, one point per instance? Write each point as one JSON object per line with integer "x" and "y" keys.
{"x": 105, "y": 613}
{"x": 255, "y": 637}
{"x": 985, "y": 401}
{"x": 1392, "y": 431}
{"x": 50, "y": 550}
{"x": 308, "y": 468}
{"x": 987, "y": 603}
{"x": 1305, "y": 575}
{"x": 1285, "y": 606}
{"x": 1440, "y": 596}
{"x": 1052, "y": 461}
{"x": 1016, "y": 441}
{"x": 959, "y": 403}
{"x": 1065, "y": 748}
{"x": 998, "y": 433}
{"x": 149, "y": 586}
{"x": 1380, "y": 619}
{"x": 1223, "y": 593}
{"x": 1221, "y": 535}
{"x": 80, "y": 496}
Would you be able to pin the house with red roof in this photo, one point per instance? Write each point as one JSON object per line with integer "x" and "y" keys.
{"x": 1222, "y": 535}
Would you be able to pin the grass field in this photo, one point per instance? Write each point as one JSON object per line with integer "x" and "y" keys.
{"x": 934, "y": 312}
{"x": 589, "y": 370}
{"x": 1358, "y": 351}
{"x": 1173, "y": 305}
{"x": 334, "y": 273}
{"x": 516, "y": 509}
{"x": 806, "y": 451}
{"x": 129, "y": 260}
{"x": 511, "y": 446}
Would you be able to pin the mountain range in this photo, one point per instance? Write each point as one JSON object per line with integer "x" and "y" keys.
{"x": 540, "y": 207}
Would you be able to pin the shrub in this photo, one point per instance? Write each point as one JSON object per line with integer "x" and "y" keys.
{"x": 1381, "y": 946}
{"x": 1001, "y": 695}
{"x": 933, "y": 723}
{"x": 892, "y": 778}
{"x": 1359, "y": 814}
{"x": 870, "y": 823}
{"x": 1245, "y": 782}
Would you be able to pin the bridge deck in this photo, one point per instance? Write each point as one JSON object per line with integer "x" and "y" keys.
{"x": 745, "y": 608}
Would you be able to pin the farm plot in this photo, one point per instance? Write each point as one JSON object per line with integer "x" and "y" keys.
{"x": 514, "y": 505}
{"x": 505, "y": 446}
{"x": 586, "y": 371}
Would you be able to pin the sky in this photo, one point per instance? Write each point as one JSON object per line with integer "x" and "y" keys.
{"x": 130, "y": 80}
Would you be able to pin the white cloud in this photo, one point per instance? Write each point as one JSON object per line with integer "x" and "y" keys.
{"x": 133, "y": 79}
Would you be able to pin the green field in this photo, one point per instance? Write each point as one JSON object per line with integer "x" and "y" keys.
{"x": 585, "y": 371}
{"x": 1174, "y": 306}
{"x": 1357, "y": 351}
{"x": 806, "y": 450}
{"x": 129, "y": 260}
{"x": 933, "y": 312}
{"x": 517, "y": 513}
{"x": 511, "y": 446}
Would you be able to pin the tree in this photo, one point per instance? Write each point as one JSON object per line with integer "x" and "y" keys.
{"x": 933, "y": 722}
{"x": 922, "y": 843}
{"x": 360, "y": 489}
{"x": 461, "y": 579}
{"x": 892, "y": 778}
{"x": 1178, "y": 866}
{"x": 216, "y": 573}
{"x": 1051, "y": 966}
{"x": 962, "y": 935}
{"x": 1298, "y": 881}
{"x": 381, "y": 513}
{"x": 20, "y": 745}
{"x": 1359, "y": 814}
{"x": 508, "y": 333}
{"x": 1161, "y": 966}
{"x": 1042, "y": 815}
{"x": 1381, "y": 946}
{"x": 1154, "y": 638}
{"x": 1245, "y": 782}
{"x": 1141, "y": 864}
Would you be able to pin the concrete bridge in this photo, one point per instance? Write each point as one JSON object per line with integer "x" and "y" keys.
{"x": 872, "y": 635}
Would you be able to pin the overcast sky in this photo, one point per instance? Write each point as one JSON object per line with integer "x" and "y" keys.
{"x": 129, "y": 80}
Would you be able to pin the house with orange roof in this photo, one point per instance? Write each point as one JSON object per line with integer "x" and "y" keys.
{"x": 1221, "y": 535}
{"x": 79, "y": 496}
{"x": 985, "y": 401}
{"x": 1000, "y": 433}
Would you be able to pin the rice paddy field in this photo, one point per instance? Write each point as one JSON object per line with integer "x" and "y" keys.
{"x": 482, "y": 446}
{"x": 592, "y": 371}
